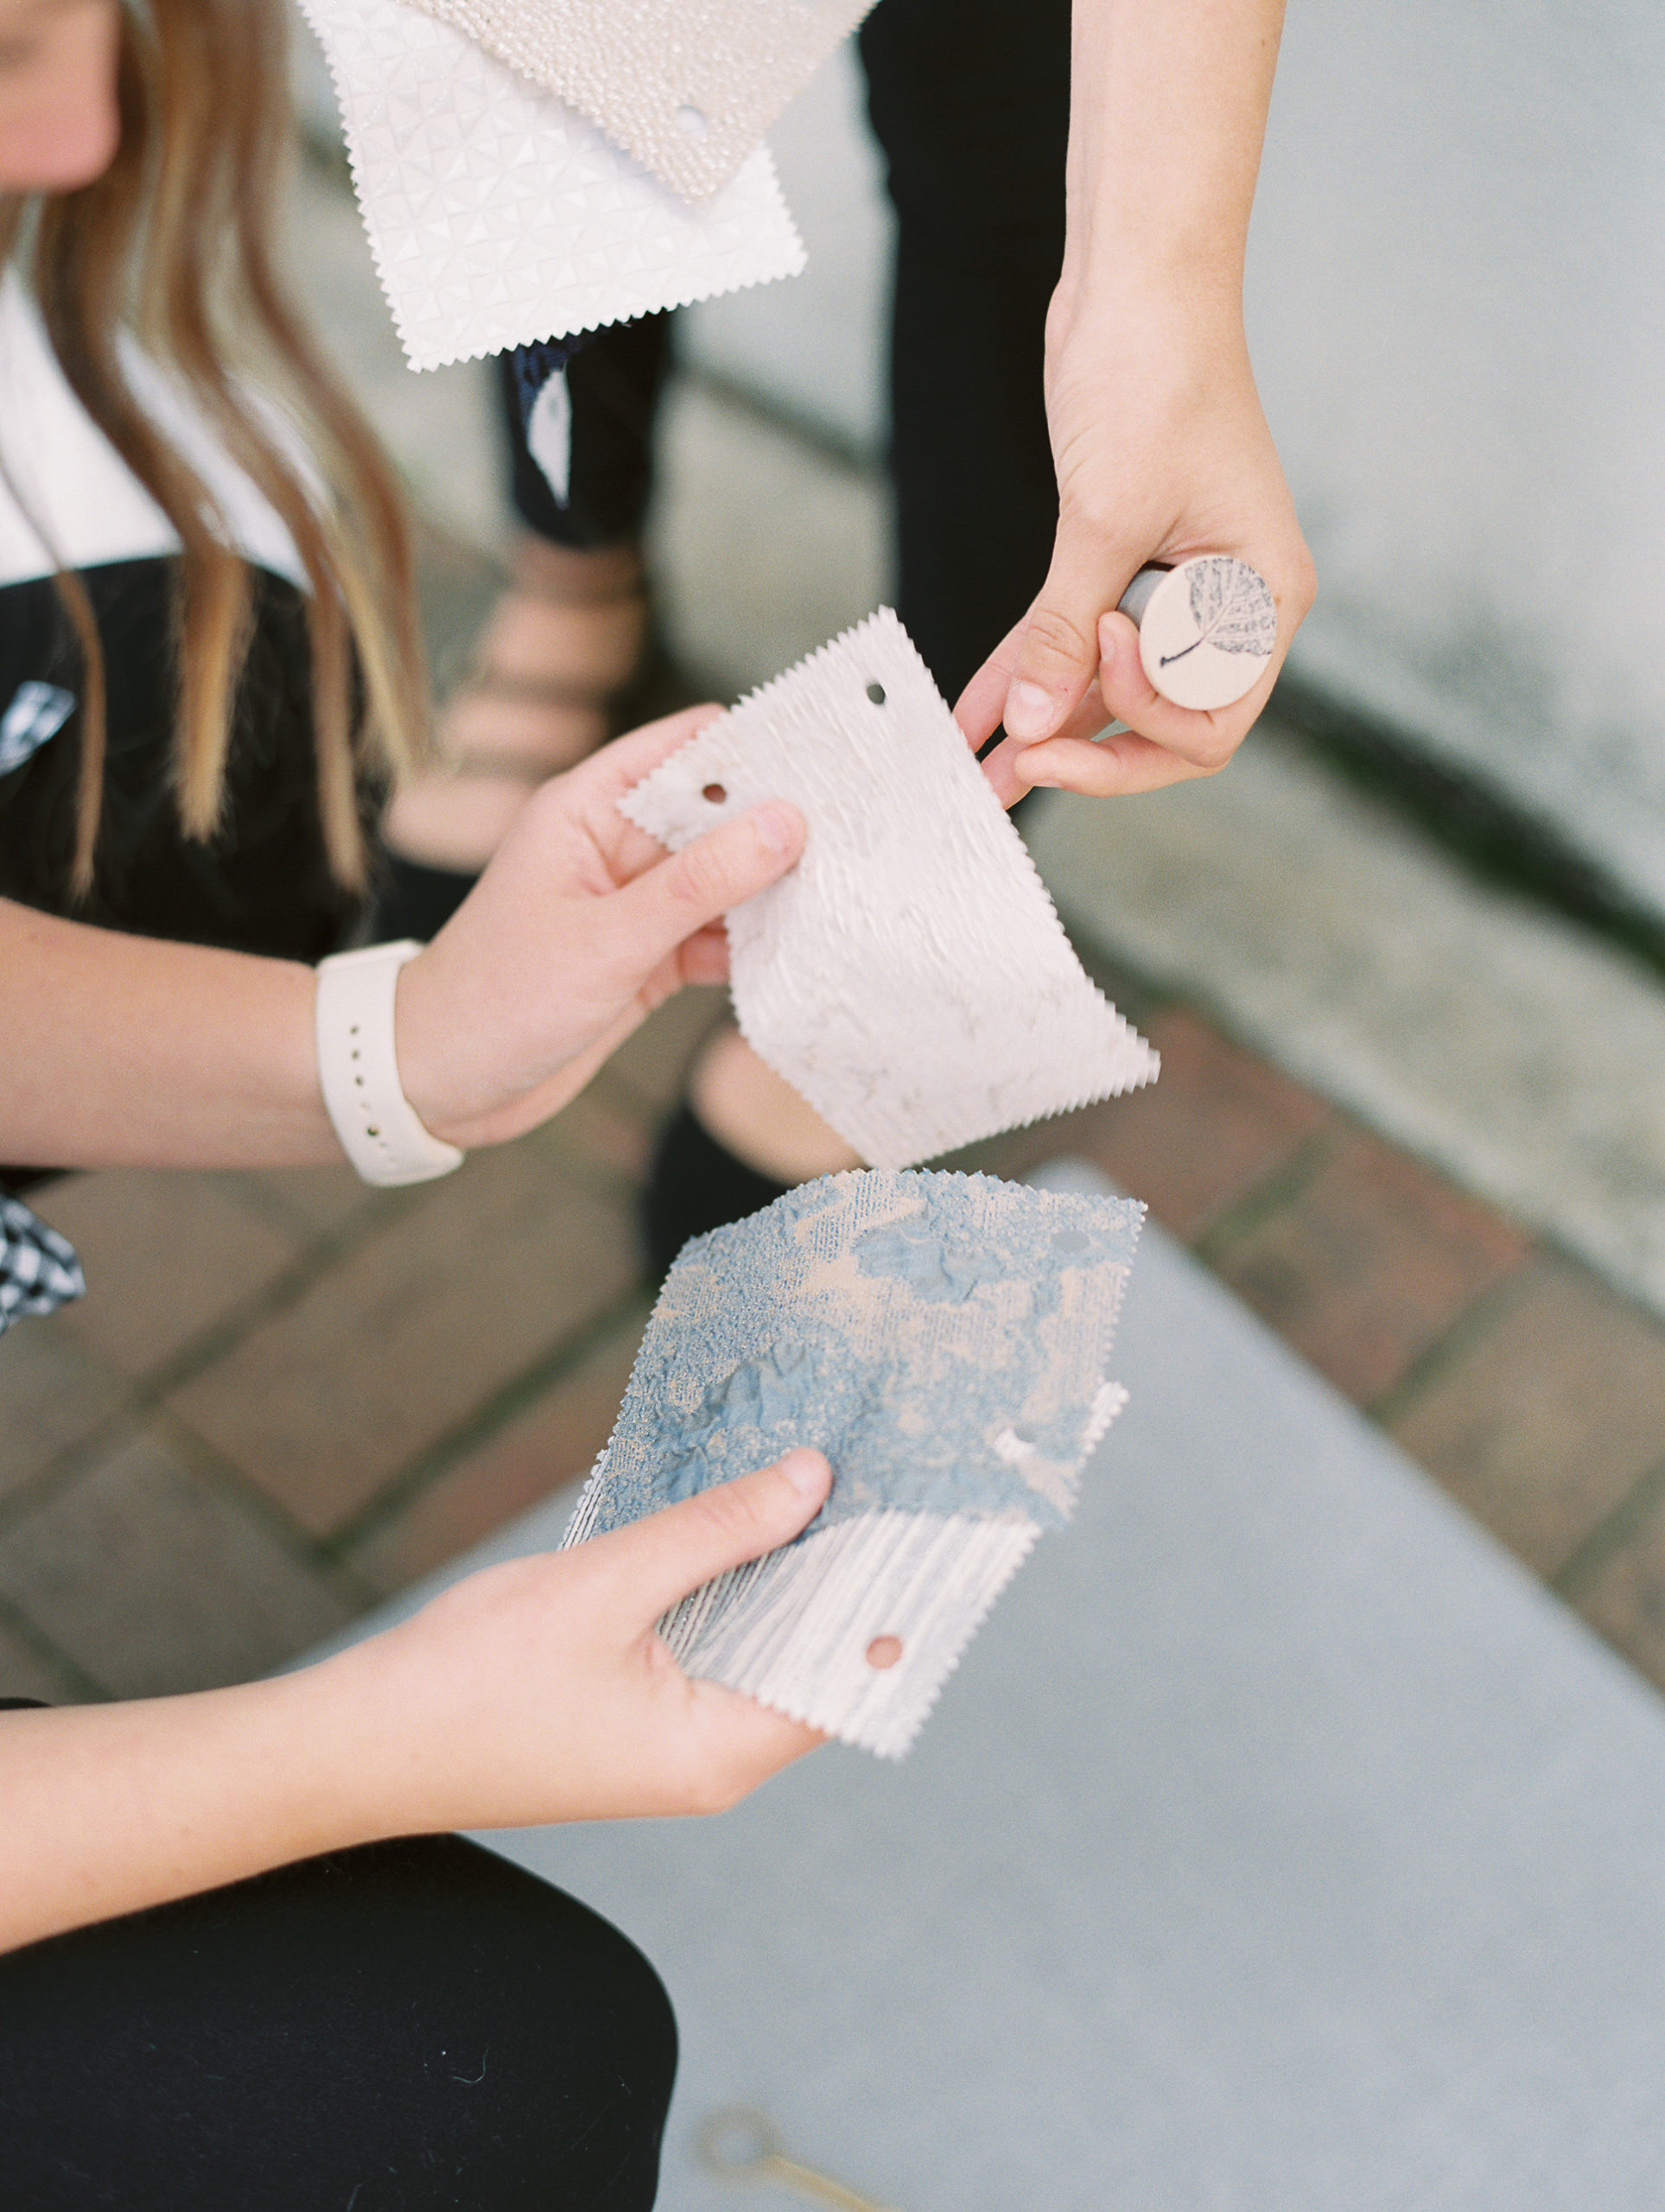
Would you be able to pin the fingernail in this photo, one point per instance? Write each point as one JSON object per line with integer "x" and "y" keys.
{"x": 1029, "y": 711}
{"x": 777, "y": 826}
{"x": 807, "y": 1472}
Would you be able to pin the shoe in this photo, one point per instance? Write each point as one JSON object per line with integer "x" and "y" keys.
{"x": 566, "y": 650}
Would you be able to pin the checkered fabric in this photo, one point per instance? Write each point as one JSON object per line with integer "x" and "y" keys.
{"x": 39, "y": 1270}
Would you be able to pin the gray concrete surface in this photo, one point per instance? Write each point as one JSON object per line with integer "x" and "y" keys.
{"x": 1455, "y": 277}
{"x": 1279, "y": 1845}
{"x": 1520, "y": 1054}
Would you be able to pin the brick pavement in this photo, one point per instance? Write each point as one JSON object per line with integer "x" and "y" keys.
{"x": 341, "y": 1389}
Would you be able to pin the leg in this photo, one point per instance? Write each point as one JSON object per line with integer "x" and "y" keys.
{"x": 412, "y": 2025}
{"x": 565, "y": 639}
{"x": 969, "y": 100}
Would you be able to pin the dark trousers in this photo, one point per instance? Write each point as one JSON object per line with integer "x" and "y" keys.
{"x": 970, "y": 102}
{"x": 403, "y": 2028}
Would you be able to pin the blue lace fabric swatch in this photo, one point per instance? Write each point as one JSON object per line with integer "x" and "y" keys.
{"x": 38, "y": 1269}
{"x": 943, "y": 1339}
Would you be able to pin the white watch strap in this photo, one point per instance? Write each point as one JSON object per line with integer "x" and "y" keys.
{"x": 359, "y": 1069}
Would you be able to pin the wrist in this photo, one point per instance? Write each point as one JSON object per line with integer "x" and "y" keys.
{"x": 435, "y": 1062}
{"x": 365, "y": 1780}
{"x": 1158, "y": 315}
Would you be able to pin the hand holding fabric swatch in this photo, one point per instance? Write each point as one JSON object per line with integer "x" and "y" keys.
{"x": 944, "y": 1340}
{"x": 910, "y": 977}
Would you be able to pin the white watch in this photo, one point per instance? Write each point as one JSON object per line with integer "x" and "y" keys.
{"x": 359, "y": 1069}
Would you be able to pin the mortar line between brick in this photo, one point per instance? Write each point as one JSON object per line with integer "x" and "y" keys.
{"x": 286, "y": 1289}
{"x": 1609, "y": 1536}
{"x": 1214, "y": 1244}
{"x": 35, "y": 1638}
{"x": 146, "y": 1393}
{"x": 489, "y": 1418}
{"x": 1484, "y": 1312}
{"x": 213, "y": 1467}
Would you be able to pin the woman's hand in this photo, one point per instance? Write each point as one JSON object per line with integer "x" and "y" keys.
{"x": 1162, "y": 451}
{"x": 579, "y": 928}
{"x": 1160, "y": 444}
{"x": 540, "y": 1690}
{"x": 533, "y": 1692}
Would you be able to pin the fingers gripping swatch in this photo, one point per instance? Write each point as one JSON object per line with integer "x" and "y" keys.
{"x": 944, "y": 1340}
{"x": 499, "y": 216}
{"x": 688, "y": 86}
{"x": 910, "y": 977}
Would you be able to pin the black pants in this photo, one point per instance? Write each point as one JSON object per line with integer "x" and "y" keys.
{"x": 403, "y": 2028}
{"x": 970, "y": 101}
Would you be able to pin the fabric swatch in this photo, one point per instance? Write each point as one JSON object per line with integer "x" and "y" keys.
{"x": 688, "y": 86}
{"x": 498, "y": 216}
{"x": 910, "y": 977}
{"x": 944, "y": 1340}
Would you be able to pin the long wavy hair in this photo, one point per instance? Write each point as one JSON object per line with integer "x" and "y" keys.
{"x": 173, "y": 244}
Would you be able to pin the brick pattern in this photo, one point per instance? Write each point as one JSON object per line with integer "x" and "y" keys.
{"x": 550, "y": 1446}
{"x": 1367, "y": 1264}
{"x": 346, "y": 1388}
{"x": 324, "y": 1404}
{"x": 152, "y": 1576}
{"x": 1217, "y": 1127}
{"x": 1549, "y": 1415}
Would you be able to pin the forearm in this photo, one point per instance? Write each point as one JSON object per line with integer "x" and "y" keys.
{"x": 106, "y": 1809}
{"x": 1167, "y": 112}
{"x": 127, "y": 1050}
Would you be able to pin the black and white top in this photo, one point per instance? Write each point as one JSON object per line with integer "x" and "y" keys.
{"x": 263, "y": 884}
{"x": 39, "y": 1271}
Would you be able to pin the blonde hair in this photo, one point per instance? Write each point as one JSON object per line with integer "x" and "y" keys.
{"x": 173, "y": 243}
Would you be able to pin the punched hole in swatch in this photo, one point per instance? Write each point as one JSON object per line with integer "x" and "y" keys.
{"x": 884, "y": 1651}
{"x": 716, "y": 793}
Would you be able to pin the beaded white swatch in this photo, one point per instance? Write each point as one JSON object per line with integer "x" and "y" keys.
{"x": 688, "y": 86}
{"x": 498, "y": 216}
{"x": 910, "y": 977}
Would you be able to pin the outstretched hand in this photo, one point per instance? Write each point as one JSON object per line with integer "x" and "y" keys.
{"x": 1162, "y": 451}
{"x": 579, "y": 928}
{"x": 541, "y": 1691}
{"x": 536, "y": 1691}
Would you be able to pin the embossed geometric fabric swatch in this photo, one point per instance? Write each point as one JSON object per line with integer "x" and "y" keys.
{"x": 910, "y": 977}
{"x": 688, "y": 86}
{"x": 944, "y": 1340}
{"x": 498, "y": 216}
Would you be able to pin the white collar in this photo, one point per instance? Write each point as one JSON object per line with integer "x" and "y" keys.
{"x": 91, "y": 506}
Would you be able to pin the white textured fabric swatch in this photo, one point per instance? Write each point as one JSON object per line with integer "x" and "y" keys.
{"x": 945, "y": 1340}
{"x": 498, "y": 216}
{"x": 688, "y": 86}
{"x": 910, "y": 977}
